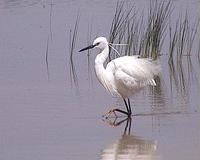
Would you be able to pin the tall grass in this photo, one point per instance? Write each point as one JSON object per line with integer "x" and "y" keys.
{"x": 50, "y": 20}
{"x": 198, "y": 52}
{"x": 192, "y": 32}
{"x": 145, "y": 35}
{"x": 72, "y": 43}
{"x": 51, "y": 36}
{"x": 182, "y": 38}
{"x": 119, "y": 25}
{"x": 172, "y": 42}
{"x": 46, "y": 57}
{"x": 156, "y": 25}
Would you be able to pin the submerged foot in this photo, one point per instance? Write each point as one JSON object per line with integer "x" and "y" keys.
{"x": 109, "y": 112}
{"x": 115, "y": 121}
{"x": 114, "y": 110}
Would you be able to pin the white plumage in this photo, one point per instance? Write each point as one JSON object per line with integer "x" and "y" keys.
{"x": 123, "y": 76}
{"x": 130, "y": 73}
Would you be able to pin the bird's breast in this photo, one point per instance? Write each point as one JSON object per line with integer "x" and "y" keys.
{"x": 106, "y": 78}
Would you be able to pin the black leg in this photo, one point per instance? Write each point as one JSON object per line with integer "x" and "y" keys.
{"x": 128, "y": 126}
{"x": 107, "y": 114}
{"x": 121, "y": 111}
{"x": 127, "y": 108}
{"x": 129, "y": 104}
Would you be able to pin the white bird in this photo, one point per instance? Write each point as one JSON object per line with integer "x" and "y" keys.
{"x": 123, "y": 76}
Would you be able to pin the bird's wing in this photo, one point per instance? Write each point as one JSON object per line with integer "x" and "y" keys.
{"x": 132, "y": 70}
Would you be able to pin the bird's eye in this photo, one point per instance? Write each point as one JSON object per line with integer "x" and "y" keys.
{"x": 97, "y": 44}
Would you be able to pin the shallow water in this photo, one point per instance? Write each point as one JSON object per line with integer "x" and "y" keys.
{"x": 45, "y": 117}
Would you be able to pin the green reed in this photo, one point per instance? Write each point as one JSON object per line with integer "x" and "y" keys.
{"x": 72, "y": 43}
{"x": 119, "y": 23}
{"x": 172, "y": 41}
{"x": 198, "y": 52}
{"x": 182, "y": 38}
{"x": 143, "y": 37}
{"x": 156, "y": 25}
{"x": 47, "y": 57}
{"x": 192, "y": 32}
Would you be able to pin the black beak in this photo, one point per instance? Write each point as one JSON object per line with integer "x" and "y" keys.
{"x": 89, "y": 47}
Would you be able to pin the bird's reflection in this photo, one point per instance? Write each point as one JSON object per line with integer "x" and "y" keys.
{"x": 129, "y": 147}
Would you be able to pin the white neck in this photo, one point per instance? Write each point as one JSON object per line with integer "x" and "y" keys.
{"x": 99, "y": 68}
{"x": 101, "y": 57}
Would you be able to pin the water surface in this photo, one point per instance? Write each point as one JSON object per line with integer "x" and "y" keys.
{"x": 45, "y": 117}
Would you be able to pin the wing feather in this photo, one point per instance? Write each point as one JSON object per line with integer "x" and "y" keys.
{"x": 134, "y": 71}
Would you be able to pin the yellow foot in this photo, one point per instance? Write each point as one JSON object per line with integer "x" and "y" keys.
{"x": 109, "y": 112}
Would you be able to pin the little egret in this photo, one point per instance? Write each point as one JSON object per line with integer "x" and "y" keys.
{"x": 123, "y": 76}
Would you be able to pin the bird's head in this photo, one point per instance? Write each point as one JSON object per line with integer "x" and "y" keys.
{"x": 100, "y": 42}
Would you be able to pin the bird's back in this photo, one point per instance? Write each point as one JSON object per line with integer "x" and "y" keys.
{"x": 131, "y": 73}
